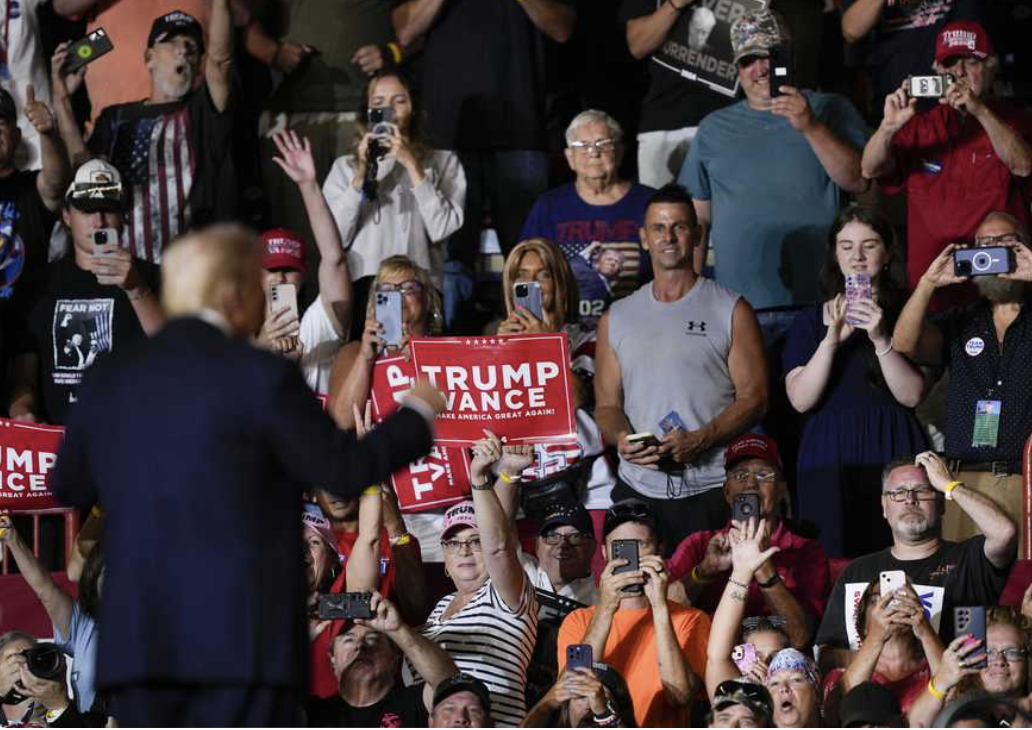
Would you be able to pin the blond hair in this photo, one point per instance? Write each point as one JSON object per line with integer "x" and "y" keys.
{"x": 197, "y": 268}
{"x": 431, "y": 298}
{"x": 565, "y": 301}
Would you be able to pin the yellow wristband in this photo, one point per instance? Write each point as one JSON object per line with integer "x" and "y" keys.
{"x": 395, "y": 50}
{"x": 508, "y": 479}
{"x": 373, "y": 491}
{"x": 698, "y": 578}
{"x": 96, "y": 511}
{"x": 935, "y": 691}
{"x": 948, "y": 489}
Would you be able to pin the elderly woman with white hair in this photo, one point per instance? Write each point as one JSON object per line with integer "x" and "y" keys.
{"x": 597, "y": 213}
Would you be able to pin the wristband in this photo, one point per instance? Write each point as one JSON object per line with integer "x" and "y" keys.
{"x": 609, "y": 720}
{"x": 373, "y": 491}
{"x": 482, "y": 487}
{"x": 948, "y": 489}
{"x": 396, "y": 53}
{"x": 734, "y": 582}
{"x": 935, "y": 691}
{"x": 775, "y": 579}
{"x": 402, "y": 539}
{"x": 887, "y": 350}
{"x": 696, "y": 578}
{"x": 508, "y": 479}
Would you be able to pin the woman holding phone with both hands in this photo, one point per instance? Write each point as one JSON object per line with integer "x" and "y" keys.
{"x": 857, "y": 391}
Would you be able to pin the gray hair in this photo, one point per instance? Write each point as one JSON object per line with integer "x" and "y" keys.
{"x": 1001, "y": 215}
{"x": 594, "y": 116}
{"x": 15, "y": 635}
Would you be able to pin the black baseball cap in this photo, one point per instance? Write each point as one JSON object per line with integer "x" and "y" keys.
{"x": 572, "y": 514}
{"x": 463, "y": 682}
{"x": 630, "y": 510}
{"x": 175, "y": 23}
{"x": 870, "y": 703}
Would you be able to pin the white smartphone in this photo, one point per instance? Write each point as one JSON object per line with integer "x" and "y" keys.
{"x": 284, "y": 296}
{"x": 892, "y": 581}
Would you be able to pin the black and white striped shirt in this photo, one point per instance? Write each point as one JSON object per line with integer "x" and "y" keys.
{"x": 492, "y": 642}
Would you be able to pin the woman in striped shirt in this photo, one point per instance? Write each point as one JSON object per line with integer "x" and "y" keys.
{"x": 489, "y": 624}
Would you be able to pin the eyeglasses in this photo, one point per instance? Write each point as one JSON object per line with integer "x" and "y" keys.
{"x": 921, "y": 494}
{"x": 635, "y": 510}
{"x": 602, "y": 146}
{"x": 995, "y": 240}
{"x": 459, "y": 546}
{"x": 573, "y": 538}
{"x": 408, "y": 288}
{"x": 1010, "y": 654}
{"x": 740, "y": 475}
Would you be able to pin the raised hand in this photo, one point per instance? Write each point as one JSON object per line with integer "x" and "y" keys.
{"x": 940, "y": 271}
{"x": 835, "y": 314}
{"x": 63, "y": 85}
{"x": 295, "y": 156}
{"x": 38, "y": 113}
{"x": 385, "y": 615}
{"x": 899, "y": 108}
{"x": 486, "y": 452}
{"x": 748, "y": 546}
{"x": 718, "y": 556}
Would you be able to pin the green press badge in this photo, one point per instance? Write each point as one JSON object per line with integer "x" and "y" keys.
{"x": 987, "y": 423}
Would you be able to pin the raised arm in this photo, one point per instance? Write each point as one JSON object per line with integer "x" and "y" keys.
{"x": 805, "y": 384}
{"x": 914, "y": 336}
{"x": 748, "y": 553}
{"x": 57, "y": 603}
{"x": 747, "y": 364}
{"x": 496, "y": 538}
{"x": 352, "y": 376}
{"x": 218, "y": 68}
{"x": 1001, "y": 535}
{"x": 334, "y": 278}
{"x": 72, "y": 8}
{"x": 953, "y": 668}
{"x": 363, "y": 567}
{"x": 62, "y": 88}
{"x": 877, "y": 159}
{"x": 860, "y": 19}
{"x": 55, "y": 172}
{"x": 680, "y": 684}
{"x": 414, "y": 18}
{"x": 647, "y": 33}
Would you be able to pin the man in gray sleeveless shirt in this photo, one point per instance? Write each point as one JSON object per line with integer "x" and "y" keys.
{"x": 681, "y": 358}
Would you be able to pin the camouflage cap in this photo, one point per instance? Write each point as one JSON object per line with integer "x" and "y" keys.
{"x": 754, "y": 34}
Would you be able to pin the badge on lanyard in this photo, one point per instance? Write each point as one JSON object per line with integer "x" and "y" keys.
{"x": 987, "y": 423}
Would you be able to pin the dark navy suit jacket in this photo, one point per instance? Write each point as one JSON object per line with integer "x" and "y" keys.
{"x": 197, "y": 446}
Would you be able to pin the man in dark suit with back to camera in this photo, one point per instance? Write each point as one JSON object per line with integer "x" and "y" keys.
{"x": 198, "y": 446}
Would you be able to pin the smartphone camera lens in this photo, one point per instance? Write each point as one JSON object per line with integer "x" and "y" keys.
{"x": 963, "y": 268}
{"x": 981, "y": 261}
{"x": 100, "y": 238}
{"x": 522, "y": 290}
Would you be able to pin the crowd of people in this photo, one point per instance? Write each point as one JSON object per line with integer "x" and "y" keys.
{"x": 793, "y": 496}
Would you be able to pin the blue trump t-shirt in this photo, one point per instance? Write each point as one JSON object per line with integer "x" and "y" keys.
{"x": 600, "y": 242}
{"x": 772, "y": 201}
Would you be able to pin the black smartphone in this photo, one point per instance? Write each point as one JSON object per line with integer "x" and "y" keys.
{"x": 579, "y": 655}
{"x": 335, "y": 606}
{"x": 87, "y": 50}
{"x": 380, "y": 121}
{"x": 971, "y": 620}
{"x": 746, "y": 507}
{"x": 782, "y": 68}
{"x": 983, "y": 261}
{"x": 628, "y": 550}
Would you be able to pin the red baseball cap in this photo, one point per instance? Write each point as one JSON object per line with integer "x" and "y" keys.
{"x": 752, "y": 446}
{"x": 963, "y": 38}
{"x": 283, "y": 249}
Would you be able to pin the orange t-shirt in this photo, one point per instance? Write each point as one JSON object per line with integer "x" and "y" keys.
{"x": 631, "y": 650}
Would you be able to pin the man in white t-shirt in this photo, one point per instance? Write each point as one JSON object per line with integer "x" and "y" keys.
{"x": 562, "y": 560}
{"x": 322, "y": 330}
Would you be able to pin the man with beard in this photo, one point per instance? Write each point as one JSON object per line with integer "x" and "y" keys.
{"x": 968, "y": 155}
{"x": 171, "y": 148}
{"x": 366, "y": 660}
{"x": 987, "y": 347}
{"x": 943, "y": 573}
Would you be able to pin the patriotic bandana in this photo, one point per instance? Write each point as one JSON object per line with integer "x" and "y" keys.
{"x": 793, "y": 660}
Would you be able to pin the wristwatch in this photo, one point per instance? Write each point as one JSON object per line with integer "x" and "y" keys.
{"x": 482, "y": 487}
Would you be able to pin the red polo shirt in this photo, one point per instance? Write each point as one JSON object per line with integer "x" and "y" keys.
{"x": 953, "y": 179}
{"x": 801, "y": 563}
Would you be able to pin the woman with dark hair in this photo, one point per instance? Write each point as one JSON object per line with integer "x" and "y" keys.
{"x": 596, "y": 697}
{"x": 857, "y": 391}
{"x": 395, "y": 195}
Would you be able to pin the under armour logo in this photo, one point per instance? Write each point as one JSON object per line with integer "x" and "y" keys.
{"x": 696, "y": 328}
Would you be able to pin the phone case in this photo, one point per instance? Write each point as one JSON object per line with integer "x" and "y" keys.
{"x": 87, "y": 50}
{"x": 746, "y": 507}
{"x": 744, "y": 656}
{"x": 388, "y": 314}
{"x": 782, "y": 72}
{"x": 892, "y": 580}
{"x": 284, "y": 296}
{"x": 971, "y": 620}
{"x": 628, "y": 550}
{"x": 579, "y": 655}
{"x": 528, "y": 294}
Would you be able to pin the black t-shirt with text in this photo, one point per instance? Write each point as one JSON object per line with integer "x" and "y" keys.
{"x": 402, "y": 707}
{"x": 75, "y": 322}
{"x": 957, "y": 574}
{"x": 672, "y": 101}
